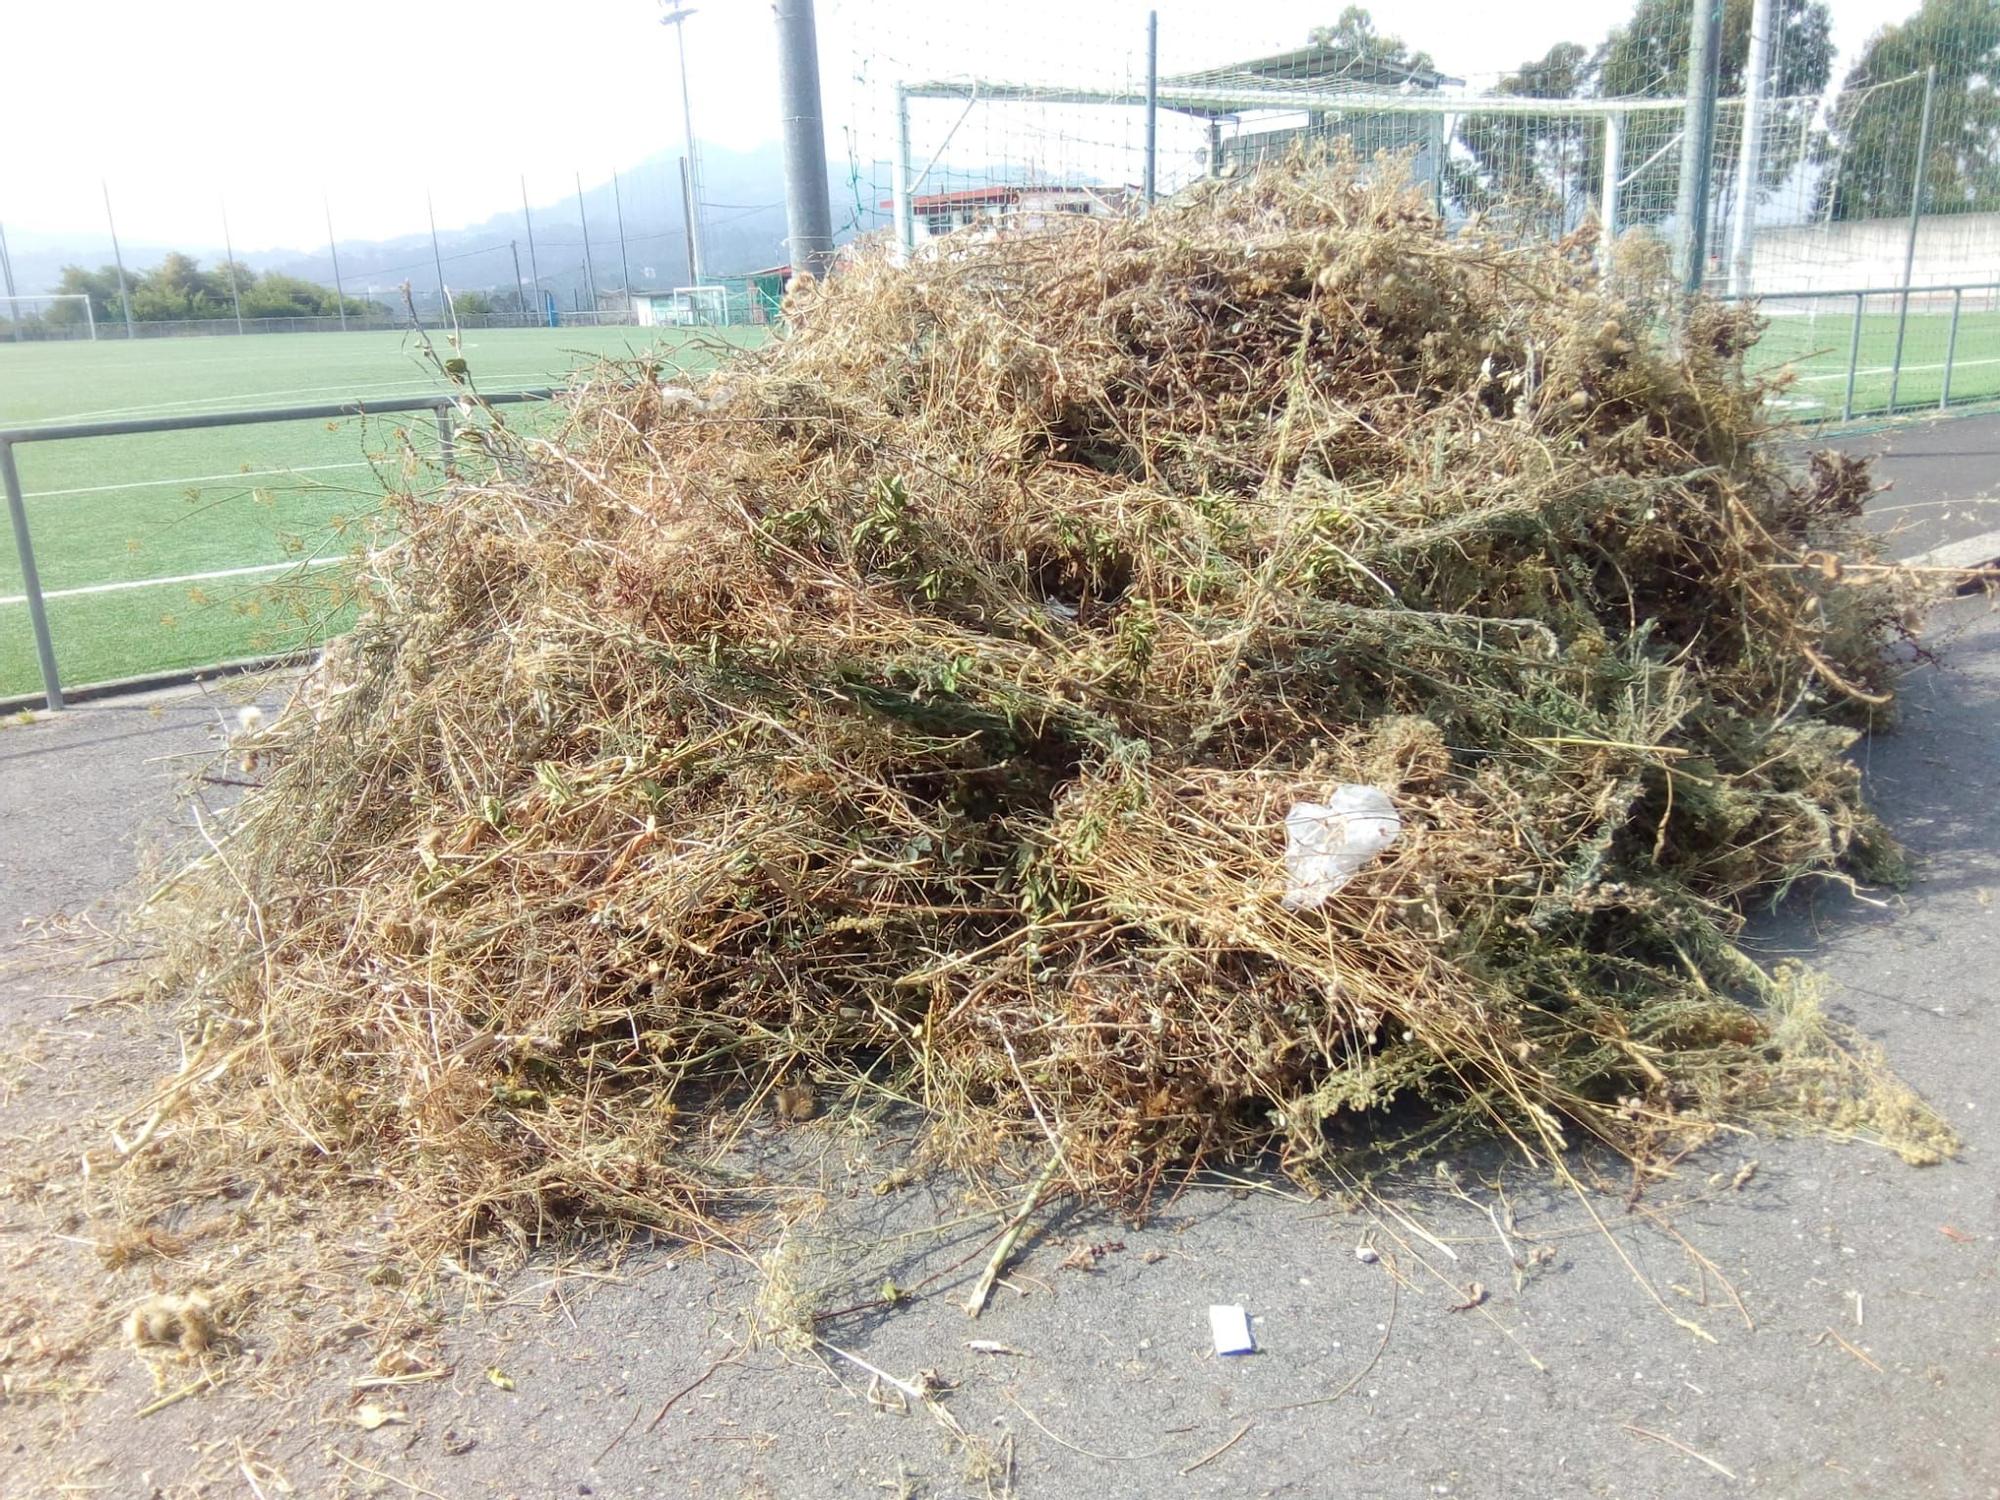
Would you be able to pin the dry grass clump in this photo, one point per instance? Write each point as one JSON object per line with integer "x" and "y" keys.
{"x": 913, "y": 709}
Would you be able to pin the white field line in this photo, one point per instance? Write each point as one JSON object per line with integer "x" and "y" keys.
{"x": 148, "y": 484}
{"x": 408, "y": 385}
{"x": 1957, "y": 364}
{"x": 154, "y": 583}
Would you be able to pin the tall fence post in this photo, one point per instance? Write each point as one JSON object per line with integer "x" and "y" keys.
{"x": 1910, "y": 241}
{"x": 31, "y": 582}
{"x": 437, "y": 260}
{"x": 118, "y": 257}
{"x": 1152, "y": 105}
{"x": 229, "y": 249}
{"x": 1607, "y": 192}
{"x": 1698, "y": 140}
{"x": 583, "y": 223}
{"x": 447, "y": 450}
{"x": 808, "y": 208}
{"x": 333, "y": 249}
{"x": 1750, "y": 151}
{"x": 534, "y": 262}
{"x": 1853, "y": 360}
{"x": 1951, "y": 346}
{"x": 906, "y": 223}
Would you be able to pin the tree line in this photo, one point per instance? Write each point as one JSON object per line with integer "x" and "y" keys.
{"x": 179, "y": 290}
{"x": 1862, "y": 157}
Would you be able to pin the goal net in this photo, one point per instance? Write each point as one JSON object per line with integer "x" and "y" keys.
{"x": 57, "y": 315}
{"x": 699, "y": 305}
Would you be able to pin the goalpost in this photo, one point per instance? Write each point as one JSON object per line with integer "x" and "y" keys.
{"x": 13, "y": 309}
{"x": 695, "y": 305}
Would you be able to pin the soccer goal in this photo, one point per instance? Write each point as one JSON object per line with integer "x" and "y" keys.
{"x": 707, "y": 305}
{"x": 34, "y": 317}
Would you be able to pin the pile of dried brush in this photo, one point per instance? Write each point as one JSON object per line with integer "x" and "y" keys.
{"x": 911, "y": 711}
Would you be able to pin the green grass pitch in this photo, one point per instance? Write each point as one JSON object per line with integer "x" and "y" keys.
{"x": 165, "y": 505}
{"x": 1816, "y": 348}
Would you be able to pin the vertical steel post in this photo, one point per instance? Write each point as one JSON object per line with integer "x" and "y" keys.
{"x": 808, "y": 210}
{"x": 589, "y": 270}
{"x": 437, "y": 260}
{"x": 1607, "y": 191}
{"x": 1152, "y": 104}
{"x": 1215, "y": 145}
{"x": 520, "y": 292}
{"x": 1951, "y": 346}
{"x": 1750, "y": 150}
{"x": 1853, "y": 361}
{"x": 1698, "y": 140}
{"x": 31, "y": 583}
{"x": 1447, "y": 131}
{"x": 447, "y": 450}
{"x": 624, "y": 266}
{"x": 1910, "y": 242}
{"x": 7, "y": 274}
{"x": 229, "y": 249}
{"x": 527, "y": 218}
{"x": 333, "y": 249}
{"x": 118, "y": 256}
{"x": 906, "y": 222}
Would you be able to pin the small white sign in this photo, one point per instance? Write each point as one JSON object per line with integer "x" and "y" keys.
{"x": 1230, "y": 1327}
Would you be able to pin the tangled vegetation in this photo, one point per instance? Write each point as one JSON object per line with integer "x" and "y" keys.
{"x": 910, "y": 712}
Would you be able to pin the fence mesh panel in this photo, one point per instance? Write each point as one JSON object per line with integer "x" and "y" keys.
{"x": 1829, "y": 183}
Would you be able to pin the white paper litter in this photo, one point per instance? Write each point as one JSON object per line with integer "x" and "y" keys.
{"x": 1326, "y": 845}
{"x": 1230, "y": 1327}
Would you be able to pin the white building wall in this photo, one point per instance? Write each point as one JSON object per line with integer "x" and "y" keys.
{"x": 1951, "y": 249}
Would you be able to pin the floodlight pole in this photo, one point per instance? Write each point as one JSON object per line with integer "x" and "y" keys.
{"x": 589, "y": 271}
{"x": 437, "y": 260}
{"x": 1698, "y": 139}
{"x": 118, "y": 256}
{"x": 229, "y": 250}
{"x": 1750, "y": 151}
{"x": 1152, "y": 104}
{"x": 677, "y": 18}
{"x": 520, "y": 292}
{"x": 808, "y": 214}
{"x": 333, "y": 249}
{"x": 1910, "y": 243}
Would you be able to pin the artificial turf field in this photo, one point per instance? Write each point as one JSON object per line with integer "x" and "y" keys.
{"x": 1816, "y": 347}
{"x": 166, "y": 505}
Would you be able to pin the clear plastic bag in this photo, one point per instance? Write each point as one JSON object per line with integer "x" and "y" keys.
{"x": 1326, "y": 845}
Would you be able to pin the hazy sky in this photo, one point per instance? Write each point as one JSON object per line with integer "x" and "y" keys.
{"x": 270, "y": 103}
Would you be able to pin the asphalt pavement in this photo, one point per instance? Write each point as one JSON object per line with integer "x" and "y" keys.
{"x": 1848, "y": 1305}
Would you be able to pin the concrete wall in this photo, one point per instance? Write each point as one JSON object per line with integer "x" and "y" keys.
{"x": 1951, "y": 248}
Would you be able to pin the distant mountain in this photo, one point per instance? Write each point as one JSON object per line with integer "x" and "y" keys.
{"x": 743, "y": 196}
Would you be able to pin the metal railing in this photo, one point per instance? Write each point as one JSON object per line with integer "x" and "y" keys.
{"x": 378, "y": 319}
{"x": 1905, "y": 298}
{"x": 17, "y": 507}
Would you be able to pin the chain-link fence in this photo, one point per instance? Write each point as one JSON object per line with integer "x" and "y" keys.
{"x": 1855, "y": 193}
{"x": 1851, "y": 182}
